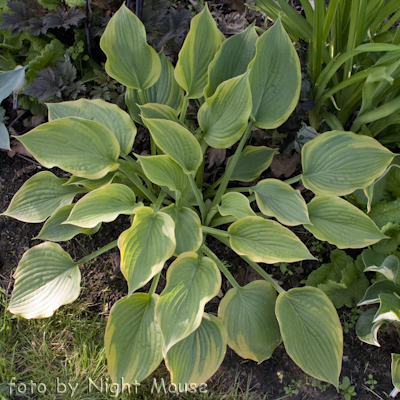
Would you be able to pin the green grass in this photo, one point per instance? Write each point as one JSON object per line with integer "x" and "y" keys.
{"x": 65, "y": 353}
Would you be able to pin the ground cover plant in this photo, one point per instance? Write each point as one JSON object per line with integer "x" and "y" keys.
{"x": 348, "y": 62}
{"x": 172, "y": 213}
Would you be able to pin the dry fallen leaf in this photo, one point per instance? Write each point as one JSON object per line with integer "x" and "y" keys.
{"x": 285, "y": 165}
{"x": 18, "y": 148}
{"x": 215, "y": 156}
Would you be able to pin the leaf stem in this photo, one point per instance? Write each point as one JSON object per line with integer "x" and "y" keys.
{"x": 295, "y": 179}
{"x": 97, "y": 253}
{"x": 253, "y": 264}
{"x": 154, "y": 283}
{"x": 214, "y": 231}
{"x": 231, "y": 166}
{"x": 221, "y": 266}
{"x": 199, "y": 197}
{"x": 185, "y": 104}
{"x": 159, "y": 202}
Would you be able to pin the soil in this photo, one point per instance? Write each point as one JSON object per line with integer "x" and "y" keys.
{"x": 103, "y": 283}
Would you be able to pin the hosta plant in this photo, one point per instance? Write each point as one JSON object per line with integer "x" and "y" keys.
{"x": 238, "y": 83}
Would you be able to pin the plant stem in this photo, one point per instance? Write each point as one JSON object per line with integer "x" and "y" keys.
{"x": 154, "y": 284}
{"x": 159, "y": 202}
{"x": 221, "y": 266}
{"x": 199, "y": 197}
{"x": 231, "y": 166}
{"x": 97, "y": 253}
{"x": 214, "y": 231}
{"x": 139, "y": 167}
{"x": 253, "y": 264}
{"x": 185, "y": 104}
{"x": 295, "y": 179}
{"x": 142, "y": 96}
{"x": 136, "y": 180}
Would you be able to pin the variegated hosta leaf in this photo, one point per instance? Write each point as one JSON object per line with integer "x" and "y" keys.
{"x": 311, "y": 332}
{"x": 46, "y": 278}
{"x": 266, "y": 241}
{"x": 340, "y": 162}
{"x": 158, "y": 111}
{"x": 340, "y": 223}
{"x": 248, "y": 314}
{"x": 232, "y": 59}
{"x": 55, "y": 231}
{"x": 107, "y": 114}
{"x": 196, "y": 358}
{"x": 389, "y": 309}
{"x": 40, "y": 196}
{"x": 278, "y": 199}
{"x": 130, "y": 60}
{"x": 224, "y": 116}
{"x": 396, "y": 370}
{"x": 275, "y": 78}
{"x": 375, "y": 262}
{"x": 372, "y": 294}
{"x": 82, "y": 147}
{"x": 177, "y": 142}
{"x": 198, "y": 50}
{"x": 188, "y": 233}
{"x": 102, "y": 205}
{"x": 145, "y": 246}
{"x": 235, "y": 204}
{"x": 133, "y": 339}
{"x": 253, "y": 160}
{"x": 366, "y": 329}
{"x": 91, "y": 184}
{"x": 165, "y": 91}
{"x": 191, "y": 283}
{"x": 163, "y": 171}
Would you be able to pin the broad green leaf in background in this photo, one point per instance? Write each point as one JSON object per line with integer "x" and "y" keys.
{"x": 232, "y": 59}
{"x": 253, "y": 160}
{"x": 55, "y": 231}
{"x": 340, "y": 223}
{"x": 278, "y": 199}
{"x": 196, "y": 358}
{"x": 311, "y": 332}
{"x": 158, "y": 111}
{"x": 177, "y": 142}
{"x": 235, "y": 204}
{"x": 133, "y": 339}
{"x": 79, "y": 146}
{"x": 191, "y": 283}
{"x": 385, "y": 212}
{"x": 248, "y": 314}
{"x": 40, "y": 196}
{"x": 165, "y": 91}
{"x": 107, "y": 114}
{"x": 198, "y": 50}
{"x": 396, "y": 370}
{"x": 188, "y": 234}
{"x": 163, "y": 171}
{"x": 340, "y": 162}
{"x": 46, "y": 278}
{"x": 275, "y": 78}
{"x": 130, "y": 60}
{"x": 145, "y": 246}
{"x": 224, "y": 116}
{"x": 266, "y": 241}
{"x": 366, "y": 329}
{"x": 389, "y": 309}
{"x": 102, "y": 205}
